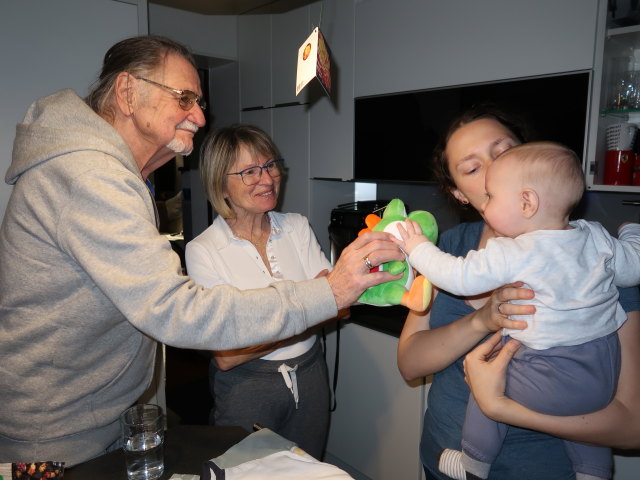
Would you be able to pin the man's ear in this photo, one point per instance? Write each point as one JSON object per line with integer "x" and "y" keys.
{"x": 124, "y": 93}
{"x": 530, "y": 202}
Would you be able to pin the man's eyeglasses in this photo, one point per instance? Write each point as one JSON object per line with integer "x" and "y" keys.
{"x": 186, "y": 98}
{"x": 251, "y": 176}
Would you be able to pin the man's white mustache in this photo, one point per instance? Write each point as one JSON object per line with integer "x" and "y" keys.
{"x": 188, "y": 125}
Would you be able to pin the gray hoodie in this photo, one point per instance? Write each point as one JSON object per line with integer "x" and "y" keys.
{"x": 87, "y": 285}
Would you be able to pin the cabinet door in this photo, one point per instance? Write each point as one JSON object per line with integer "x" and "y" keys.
{"x": 376, "y": 426}
{"x": 412, "y": 44}
{"x": 331, "y": 137}
{"x": 291, "y": 134}
{"x": 260, "y": 118}
{"x": 626, "y": 467}
{"x": 254, "y": 54}
{"x": 289, "y": 30}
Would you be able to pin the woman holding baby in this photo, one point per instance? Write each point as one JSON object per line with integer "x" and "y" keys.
{"x": 435, "y": 343}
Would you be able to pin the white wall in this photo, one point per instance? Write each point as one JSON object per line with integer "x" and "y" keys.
{"x": 49, "y": 45}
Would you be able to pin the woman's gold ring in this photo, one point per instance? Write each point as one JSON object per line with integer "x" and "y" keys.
{"x": 368, "y": 263}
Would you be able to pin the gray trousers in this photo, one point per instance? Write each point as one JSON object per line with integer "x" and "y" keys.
{"x": 255, "y": 392}
{"x": 558, "y": 381}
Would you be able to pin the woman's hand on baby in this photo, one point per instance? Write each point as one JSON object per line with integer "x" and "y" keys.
{"x": 499, "y": 313}
{"x": 411, "y": 236}
{"x": 485, "y": 369}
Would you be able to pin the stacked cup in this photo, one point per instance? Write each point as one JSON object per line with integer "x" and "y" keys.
{"x": 620, "y": 157}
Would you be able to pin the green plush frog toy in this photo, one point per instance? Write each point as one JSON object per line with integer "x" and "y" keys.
{"x": 411, "y": 291}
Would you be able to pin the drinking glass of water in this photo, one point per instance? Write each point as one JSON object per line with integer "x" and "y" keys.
{"x": 143, "y": 441}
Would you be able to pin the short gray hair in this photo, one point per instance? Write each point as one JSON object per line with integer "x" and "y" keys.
{"x": 220, "y": 151}
{"x": 139, "y": 55}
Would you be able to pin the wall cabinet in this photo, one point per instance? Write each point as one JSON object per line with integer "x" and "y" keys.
{"x": 288, "y": 31}
{"x": 291, "y": 134}
{"x": 331, "y": 119}
{"x": 614, "y": 63}
{"x": 268, "y": 50}
{"x": 268, "y": 53}
{"x": 413, "y": 44}
{"x": 254, "y": 55}
{"x": 381, "y": 47}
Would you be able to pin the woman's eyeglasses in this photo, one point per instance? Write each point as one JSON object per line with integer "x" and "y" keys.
{"x": 251, "y": 176}
{"x": 186, "y": 98}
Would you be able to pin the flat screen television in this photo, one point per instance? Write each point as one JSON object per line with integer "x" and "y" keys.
{"x": 395, "y": 134}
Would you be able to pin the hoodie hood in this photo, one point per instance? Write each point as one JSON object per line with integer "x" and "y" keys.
{"x": 59, "y": 124}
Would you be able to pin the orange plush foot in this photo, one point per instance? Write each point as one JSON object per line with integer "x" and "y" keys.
{"x": 370, "y": 221}
{"x": 418, "y": 296}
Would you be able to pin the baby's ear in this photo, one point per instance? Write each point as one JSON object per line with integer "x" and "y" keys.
{"x": 529, "y": 203}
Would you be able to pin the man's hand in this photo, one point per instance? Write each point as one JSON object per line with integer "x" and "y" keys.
{"x": 351, "y": 274}
{"x": 343, "y": 313}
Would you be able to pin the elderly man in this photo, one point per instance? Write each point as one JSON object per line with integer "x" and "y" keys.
{"x": 87, "y": 284}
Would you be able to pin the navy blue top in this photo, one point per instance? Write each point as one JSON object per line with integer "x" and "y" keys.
{"x": 525, "y": 455}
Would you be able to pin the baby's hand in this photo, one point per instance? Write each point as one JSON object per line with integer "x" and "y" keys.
{"x": 411, "y": 234}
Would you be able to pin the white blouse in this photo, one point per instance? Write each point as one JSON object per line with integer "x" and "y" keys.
{"x": 217, "y": 256}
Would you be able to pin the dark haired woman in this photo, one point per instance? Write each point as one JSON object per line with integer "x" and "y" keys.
{"x": 435, "y": 343}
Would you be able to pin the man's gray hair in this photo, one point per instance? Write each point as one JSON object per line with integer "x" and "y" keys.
{"x": 139, "y": 56}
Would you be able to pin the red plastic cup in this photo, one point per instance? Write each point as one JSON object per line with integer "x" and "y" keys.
{"x": 618, "y": 167}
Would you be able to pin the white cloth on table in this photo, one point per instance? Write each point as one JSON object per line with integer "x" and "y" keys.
{"x": 266, "y": 455}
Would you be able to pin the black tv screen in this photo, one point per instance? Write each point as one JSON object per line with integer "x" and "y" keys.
{"x": 395, "y": 134}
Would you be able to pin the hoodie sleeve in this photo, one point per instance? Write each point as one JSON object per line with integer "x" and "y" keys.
{"x": 108, "y": 228}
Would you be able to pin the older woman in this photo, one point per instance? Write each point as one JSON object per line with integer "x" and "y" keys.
{"x": 284, "y": 385}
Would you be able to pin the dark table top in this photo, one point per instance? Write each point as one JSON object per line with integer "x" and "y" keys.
{"x": 389, "y": 320}
{"x": 186, "y": 448}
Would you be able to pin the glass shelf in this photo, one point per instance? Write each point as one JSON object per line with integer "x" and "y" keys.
{"x": 599, "y": 187}
{"x": 625, "y": 111}
{"x": 612, "y": 32}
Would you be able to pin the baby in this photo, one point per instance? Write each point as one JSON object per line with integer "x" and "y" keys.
{"x": 569, "y": 360}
